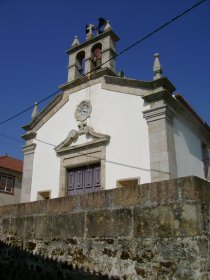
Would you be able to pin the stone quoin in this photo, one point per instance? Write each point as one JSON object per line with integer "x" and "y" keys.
{"x": 105, "y": 130}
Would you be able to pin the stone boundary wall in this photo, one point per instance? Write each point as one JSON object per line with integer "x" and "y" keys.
{"x": 152, "y": 231}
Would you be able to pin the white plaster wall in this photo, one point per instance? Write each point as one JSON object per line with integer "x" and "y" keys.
{"x": 45, "y": 169}
{"x": 188, "y": 151}
{"x": 46, "y": 164}
{"x": 122, "y": 119}
{"x": 116, "y": 114}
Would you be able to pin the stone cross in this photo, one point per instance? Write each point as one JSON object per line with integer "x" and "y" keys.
{"x": 90, "y": 29}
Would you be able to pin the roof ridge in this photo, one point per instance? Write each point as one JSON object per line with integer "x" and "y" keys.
{"x": 6, "y": 156}
{"x": 11, "y": 163}
{"x": 3, "y": 156}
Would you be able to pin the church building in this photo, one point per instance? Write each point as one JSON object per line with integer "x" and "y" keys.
{"x": 105, "y": 130}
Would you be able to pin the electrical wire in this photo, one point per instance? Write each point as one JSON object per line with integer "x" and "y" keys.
{"x": 114, "y": 56}
{"x": 149, "y": 35}
{"x": 85, "y": 154}
{"x": 31, "y": 107}
{"x": 11, "y": 138}
{"x": 162, "y": 26}
{"x": 108, "y": 161}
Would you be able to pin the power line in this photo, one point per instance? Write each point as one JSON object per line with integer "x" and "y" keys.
{"x": 44, "y": 142}
{"x": 108, "y": 161}
{"x": 85, "y": 154}
{"x": 151, "y": 33}
{"x": 11, "y": 138}
{"x": 162, "y": 26}
{"x": 114, "y": 56}
{"x": 29, "y": 108}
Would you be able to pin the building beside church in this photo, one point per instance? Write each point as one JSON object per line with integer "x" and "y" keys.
{"x": 105, "y": 131}
{"x": 11, "y": 170}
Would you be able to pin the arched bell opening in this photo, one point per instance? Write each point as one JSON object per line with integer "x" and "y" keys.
{"x": 80, "y": 64}
{"x": 96, "y": 56}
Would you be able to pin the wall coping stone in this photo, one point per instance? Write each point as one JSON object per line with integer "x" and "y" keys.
{"x": 187, "y": 189}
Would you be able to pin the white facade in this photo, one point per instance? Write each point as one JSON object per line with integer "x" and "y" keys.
{"x": 113, "y": 113}
{"x": 133, "y": 131}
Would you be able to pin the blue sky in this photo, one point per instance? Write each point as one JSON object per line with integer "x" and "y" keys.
{"x": 36, "y": 33}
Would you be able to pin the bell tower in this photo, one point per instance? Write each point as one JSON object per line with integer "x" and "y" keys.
{"x": 97, "y": 52}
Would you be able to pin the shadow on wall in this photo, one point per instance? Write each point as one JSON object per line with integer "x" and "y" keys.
{"x": 188, "y": 141}
{"x": 19, "y": 264}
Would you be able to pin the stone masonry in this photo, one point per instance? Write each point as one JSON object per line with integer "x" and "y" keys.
{"x": 156, "y": 231}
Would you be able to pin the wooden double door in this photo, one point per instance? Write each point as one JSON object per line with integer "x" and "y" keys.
{"x": 84, "y": 179}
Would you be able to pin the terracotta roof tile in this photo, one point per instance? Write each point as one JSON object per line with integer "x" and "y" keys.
{"x": 11, "y": 163}
{"x": 181, "y": 99}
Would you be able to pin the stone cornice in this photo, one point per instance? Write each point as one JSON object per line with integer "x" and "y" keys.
{"x": 81, "y": 147}
{"x": 162, "y": 112}
{"x": 112, "y": 82}
{"x": 46, "y": 113}
{"x": 147, "y": 85}
{"x": 27, "y": 149}
{"x": 179, "y": 110}
{"x": 159, "y": 94}
{"x": 93, "y": 40}
{"x": 29, "y": 135}
{"x": 98, "y": 139}
{"x": 86, "y": 79}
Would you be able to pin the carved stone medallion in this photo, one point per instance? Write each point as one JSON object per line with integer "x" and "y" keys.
{"x": 83, "y": 110}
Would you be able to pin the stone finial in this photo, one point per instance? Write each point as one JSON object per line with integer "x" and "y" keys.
{"x": 157, "y": 69}
{"x": 35, "y": 111}
{"x": 121, "y": 74}
{"x": 108, "y": 26}
{"x": 75, "y": 42}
